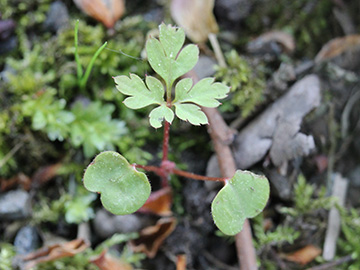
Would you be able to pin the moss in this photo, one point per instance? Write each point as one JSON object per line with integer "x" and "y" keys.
{"x": 309, "y": 21}
{"x": 247, "y": 83}
{"x": 27, "y": 14}
{"x": 33, "y": 69}
{"x": 7, "y": 252}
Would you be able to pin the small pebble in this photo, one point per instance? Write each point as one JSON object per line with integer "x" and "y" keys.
{"x": 14, "y": 205}
{"x": 26, "y": 240}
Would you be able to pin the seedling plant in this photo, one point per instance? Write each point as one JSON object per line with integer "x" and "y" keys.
{"x": 122, "y": 187}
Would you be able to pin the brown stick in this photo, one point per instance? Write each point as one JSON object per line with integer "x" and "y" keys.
{"x": 244, "y": 244}
{"x": 332, "y": 264}
{"x": 221, "y": 136}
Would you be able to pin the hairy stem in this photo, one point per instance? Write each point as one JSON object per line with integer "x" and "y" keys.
{"x": 154, "y": 169}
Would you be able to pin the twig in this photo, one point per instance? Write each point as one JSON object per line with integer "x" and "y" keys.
{"x": 217, "y": 50}
{"x": 219, "y": 264}
{"x": 244, "y": 244}
{"x": 327, "y": 266}
{"x": 217, "y": 126}
{"x": 345, "y": 21}
{"x": 341, "y": 13}
{"x": 334, "y": 220}
{"x": 346, "y": 113}
{"x": 11, "y": 153}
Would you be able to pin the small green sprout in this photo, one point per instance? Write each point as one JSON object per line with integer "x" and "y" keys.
{"x": 123, "y": 189}
{"x": 82, "y": 77}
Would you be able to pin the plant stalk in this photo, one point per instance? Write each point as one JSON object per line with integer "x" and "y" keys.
{"x": 166, "y": 141}
{"x": 163, "y": 172}
{"x": 244, "y": 245}
{"x": 217, "y": 49}
{"x": 216, "y": 128}
{"x": 197, "y": 176}
{"x": 85, "y": 78}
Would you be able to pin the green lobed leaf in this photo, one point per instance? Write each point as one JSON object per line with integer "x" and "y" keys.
{"x": 205, "y": 93}
{"x": 172, "y": 39}
{"x": 123, "y": 189}
{"x": 165, "y": 57}
{"x": 243, "y": 196}
{"x": 141, "y": 95}
{"x": 160, "y": 113}
{"x": 191, "y": 113}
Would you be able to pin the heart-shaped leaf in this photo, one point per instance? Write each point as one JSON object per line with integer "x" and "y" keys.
{"x": 243, "y": 196}
{"x": 123, "y": 189}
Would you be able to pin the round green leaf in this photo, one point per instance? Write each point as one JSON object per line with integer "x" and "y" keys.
{"x": 123, "y": 189}
{"x": 243, "y": 196}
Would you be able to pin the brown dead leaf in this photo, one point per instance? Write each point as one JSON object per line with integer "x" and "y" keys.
{"x": 107, "y": 262}
{"x": 44, "y": 174}
{"x": 40, "y": 177}
{"x": 338, "y": 46}
{"x": 305, "y": 255}
{"x": 196, "y": 17}
{"x": 159, "y": 203}
{"x": 54, "y": 252}
{"x": 105, "y": 11}
{"x": 262, "y": 42}
{"x": 152, "y": 237}
{"x": 19, "y": 179}
{"x": 181, "y": 262}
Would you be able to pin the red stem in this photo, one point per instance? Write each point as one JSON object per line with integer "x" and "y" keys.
{"x": 197, "y": 176}
{"x": 154, "y": 169}
{"x": 162, "y": 172}
{"x": 166, "y": 141}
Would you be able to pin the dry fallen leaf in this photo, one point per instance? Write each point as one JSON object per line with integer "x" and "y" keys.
{"x": 152, "y": 237}
{"x": 304, "y": 256}
{"x": 19, "y": 179}
{"x": 107, "y": 262}
{"x": 338, "y": 46}
{"x": 54, "y": 252}
{"x": 44, "y": 174}
{"x": 266, "y": 41}
{"x": 158, "y": 203}
{"x": 40, "y": 177}
{"x": 196, "y": 17}
{"x": 181, "y": 262}
{"x": 105, "y": 11}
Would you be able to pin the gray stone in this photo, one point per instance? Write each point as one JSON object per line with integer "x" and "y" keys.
{"x": 106, "y": 224}
{"x": 15, "y": 205}
{"x": 57, "y": 17}
{"x": 8, "y": 42}
{"x": 354, "y": 187}
{"x": 8, "y": 45}
{"x": 205, "y": 66}
{"x": 233, "y": 10}
{"x": 277, "y": 128}
{"x": 281, "y": 186}
{"x": 26, "y": 240}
